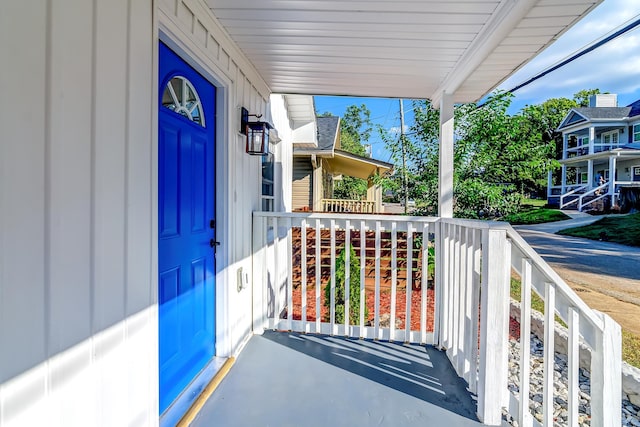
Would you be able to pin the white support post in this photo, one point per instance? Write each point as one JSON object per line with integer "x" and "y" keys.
{"x": 318, "y": 267}
{"x": 606, "y": 375}
{"x": 590, "y": 176}
{"x": 564, "y": 146}
{"x": 394, "y": 279}
{"x": 332, "y": 289}
{"x": 492, "y": 381}
{"x": 573, "y": 362}
{"x": 445, "y": 183}
{"x": 259, "y": 275}
{"x": 376, "y": 317}
{"x": 592, "y": 139}
{"x": 289, "y": 264}
{"x": 347, "y": 276}
{"x": 549, "y": 353}
{"x": 276, "y": 274}
{"x": 612, "y": 179}
{"x": 564, "y": 179}
{"x": 439, "y": 284}
{"x": 549, "y": 183}
{"x": 303, "y": 273}
{"x": 524, "y": 416}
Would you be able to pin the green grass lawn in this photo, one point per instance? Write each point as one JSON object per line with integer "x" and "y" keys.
{"x": 630, "y": 341}
{"x": 535, "y": 215}
{"x": 623, "y": 229}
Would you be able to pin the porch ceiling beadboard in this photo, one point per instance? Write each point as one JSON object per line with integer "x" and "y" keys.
{"x": 409, "y": 48}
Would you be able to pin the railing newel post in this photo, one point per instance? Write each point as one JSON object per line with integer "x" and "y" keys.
{"x": 606, "y": 375}
{"x": 492, "y": 382}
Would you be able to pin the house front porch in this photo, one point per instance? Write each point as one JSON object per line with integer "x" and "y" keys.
{"x": 411, "y": 324}
{"x": 293, "y": 379}
{"x": 594, "y": 182}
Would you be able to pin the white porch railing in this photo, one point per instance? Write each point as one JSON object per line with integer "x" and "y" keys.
{"x": 345, "y": 205}
{"x": 576, "y": 190}
{"x": 597, "y": 330}
{"x": 465, "y": 312}
{"x": 600, "y": 192}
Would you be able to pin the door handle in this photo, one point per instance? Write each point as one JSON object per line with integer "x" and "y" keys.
{"x": 213, "y": 243}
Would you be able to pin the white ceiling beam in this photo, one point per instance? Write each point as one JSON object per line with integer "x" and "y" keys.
{"x": 503, "y": 21}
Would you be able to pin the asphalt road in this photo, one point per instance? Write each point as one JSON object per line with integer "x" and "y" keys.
{"x": 606, "y": 275}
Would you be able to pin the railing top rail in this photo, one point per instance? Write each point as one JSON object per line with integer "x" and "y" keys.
{"x": 341, "y": 216}
{"x": 581, "y": 187}
{"x": 553, "y": 277}
{"x": 476, "y": 223}
{"x": 349, "y": 200}
{"x": 593, "y": 190}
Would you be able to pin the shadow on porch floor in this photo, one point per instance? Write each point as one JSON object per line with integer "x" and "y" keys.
{"x": 289, "y": 379}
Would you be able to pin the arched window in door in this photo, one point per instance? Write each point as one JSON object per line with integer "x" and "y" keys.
{"x": 180, "y": 96}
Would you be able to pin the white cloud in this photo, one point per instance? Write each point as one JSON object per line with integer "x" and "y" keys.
{"x": 395, "y": 130}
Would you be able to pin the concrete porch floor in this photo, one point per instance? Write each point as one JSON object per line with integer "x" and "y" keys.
{"x": 290, "y": 379}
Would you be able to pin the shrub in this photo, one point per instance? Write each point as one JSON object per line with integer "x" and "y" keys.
{"x": 354, "y": 289}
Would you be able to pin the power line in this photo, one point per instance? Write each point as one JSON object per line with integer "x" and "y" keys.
{"x": 593, "y": 46}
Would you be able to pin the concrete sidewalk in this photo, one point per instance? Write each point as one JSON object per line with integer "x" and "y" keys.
{"x": 578, "y": 219}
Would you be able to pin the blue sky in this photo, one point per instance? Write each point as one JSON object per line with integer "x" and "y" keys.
{"x": 614, "y": 68}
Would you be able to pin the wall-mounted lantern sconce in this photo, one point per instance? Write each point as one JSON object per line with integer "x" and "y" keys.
{"x": 257, "y": 133}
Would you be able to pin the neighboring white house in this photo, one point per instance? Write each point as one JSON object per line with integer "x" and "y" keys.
{"x": 600, "y": 154}
{"x": 127, "y": 194}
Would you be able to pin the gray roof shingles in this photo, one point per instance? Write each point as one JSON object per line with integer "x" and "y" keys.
{"x": 327, "y": 129}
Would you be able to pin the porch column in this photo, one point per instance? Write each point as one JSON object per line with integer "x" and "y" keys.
{"x": 590, "y": 170}
{"x": 445, "y": 173}
{"x": 317, "y": 186}
{"x": 564, "y": 179}
{"x": 374, "y": 193}
{"x": 549, "y": 184}
{"x": 592, "y": 139}
{"x": 565, "y": 144}
{"x": 612, "y": 179}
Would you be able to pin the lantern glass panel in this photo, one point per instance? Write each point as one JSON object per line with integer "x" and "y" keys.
{"x": 257, "y": 138}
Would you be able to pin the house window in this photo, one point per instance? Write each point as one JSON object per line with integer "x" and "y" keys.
{"x": 583, "y": 140}
{"x": 584, "y": 178}
{"x": 636, "y": 133}
{"x": 268, "y": 199}
{"x": 181, "y": 97}
{"x": 610, "y": 138}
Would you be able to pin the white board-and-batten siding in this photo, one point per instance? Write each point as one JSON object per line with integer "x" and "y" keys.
{"x": 78, "y": 202}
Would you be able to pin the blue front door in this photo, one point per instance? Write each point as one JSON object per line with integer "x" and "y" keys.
{"x": 186, "y": 213}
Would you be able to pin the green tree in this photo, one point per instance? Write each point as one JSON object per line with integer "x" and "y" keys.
{"x": 355, "y": 129}
{"x": 582, "y": 97}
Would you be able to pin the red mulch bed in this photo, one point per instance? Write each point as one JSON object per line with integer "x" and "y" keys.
{"x": 385, "y": 306}
{"x": 514, "y": 329}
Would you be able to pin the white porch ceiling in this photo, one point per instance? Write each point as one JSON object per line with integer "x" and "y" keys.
{"x": 386, "y": 48}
